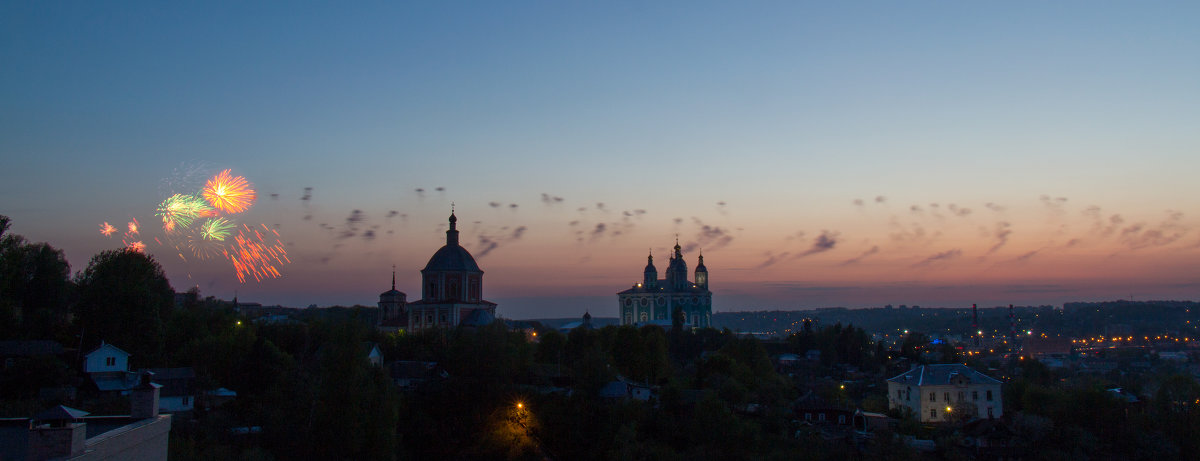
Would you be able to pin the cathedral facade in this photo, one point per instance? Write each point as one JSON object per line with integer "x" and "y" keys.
{"x": 656, "y": 301}
{"x": 451, "y": 293}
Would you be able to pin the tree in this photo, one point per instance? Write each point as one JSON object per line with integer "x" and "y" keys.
{"x": 34, "y": 286}
{"x": 123, "y": 299}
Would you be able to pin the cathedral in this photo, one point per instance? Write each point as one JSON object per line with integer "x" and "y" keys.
{"x": 655, "y": 301}
{"x": 451, "y": 293}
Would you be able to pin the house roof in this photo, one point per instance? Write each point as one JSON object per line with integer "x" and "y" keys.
{"x": 104, "y": 345}
{"x": 32, "y": 348}
{"x": 60, "y": 413}
{"x": 115, "y": 380}
{"x": 940, "y": 375}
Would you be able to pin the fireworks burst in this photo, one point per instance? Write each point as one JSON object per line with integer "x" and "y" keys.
{"x": 216, "y": 229}
{"x": 255, "y": 253}
{"x": 204, "y": 249}
{"x": 133, "y": 227}
{"x": 137, "y": 246}
{"x": 107, "y": 229}
{"x": 180, "y": 210}
{"x": 229, "y": 193}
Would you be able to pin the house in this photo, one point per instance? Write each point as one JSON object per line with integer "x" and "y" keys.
{"x": 106, "y": 358}
{"x": 622, "y": 389}
{"x": 411, "y": 375}
{"x": 374, "y": 355}
{"x": 812, "y": 409}
{"x": 108, "y": 368}
{"x": 178, "y": 388}
{"x": 944, "y": 392}
{"x": 70, "y": 434}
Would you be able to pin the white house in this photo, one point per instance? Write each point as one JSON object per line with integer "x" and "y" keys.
{"x": 106, "y": 358}
{"x": 938, "y": 393}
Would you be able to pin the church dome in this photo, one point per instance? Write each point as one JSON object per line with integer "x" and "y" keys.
{"x": 452, "y": 258}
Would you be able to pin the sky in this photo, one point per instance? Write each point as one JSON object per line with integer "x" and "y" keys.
{"x": 819, "y": 153}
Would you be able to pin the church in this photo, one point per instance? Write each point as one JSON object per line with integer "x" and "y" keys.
{"x": 655, "y": 301}
{"x": 451, "y": 293}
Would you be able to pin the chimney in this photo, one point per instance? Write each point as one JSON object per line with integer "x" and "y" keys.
{"x": 56, "y": 433}
{"x": 143, "y": 399}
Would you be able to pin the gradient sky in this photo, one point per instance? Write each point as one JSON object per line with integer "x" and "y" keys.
{"x": 821, "y": 153}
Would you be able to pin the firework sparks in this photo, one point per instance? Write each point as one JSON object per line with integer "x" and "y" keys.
{"x": 217, "y": 229}
{"x": 229, "y": 193}
{"x": 137, "y": 246}
{"x": 107, "y": 229}
{"x": 180, "y": 210}
{"x": 133, "y": 227}
{"x": 254, "y": 256}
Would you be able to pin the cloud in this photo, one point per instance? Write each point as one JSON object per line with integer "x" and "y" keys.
{"x": 420, "y": 192}
{"x": 916, "y": 209}
{"x": 824, "y": 242}
{"x": 1026, "y": 256}
{"x": 600, "y": 206}
{"x": 1142, "y": 235}
{"x": 550, "y": 199}
{"x": 599, "y": 230}
{"x": 858, "y": 202}
{"x": 274, "y": 196}
{"x": 958, "y": 211}
{"x": 495, "y": 204}
{"x": 1001, "y": 233}
{"x": 486, "y": 245}
{"x": 440, "y": 189}
{"x": 772, "y": 259}
{"x": 995, "y": 207}
{"x": 307, "y": 194}
{"x": 1054, "y": 204}
{"x": 939, "y": 257}
{"x": 512, "y": 206}
{"x": 880, "y": 199}
{"x": 392, "y": 214}
{"x": 356, "y": 217}
{"x": 710, "y": 237}
{"x": 518, "y": 232}
{"x": 678, "y": 221}
{"x": 369, "y": 235}
{"x": 856, "y": 259}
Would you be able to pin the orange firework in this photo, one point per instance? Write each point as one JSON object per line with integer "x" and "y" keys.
{"x": 133, "y": 227}
{"x": 229, "y": 193}
{"x": 107, "y": 229}
{"x": 254, "y": 256}
{"x": 138, "y": 247}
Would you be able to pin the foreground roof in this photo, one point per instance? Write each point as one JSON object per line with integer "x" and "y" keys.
{"x": 941, "y": 374}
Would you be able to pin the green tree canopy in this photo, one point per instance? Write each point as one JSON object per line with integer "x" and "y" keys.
{"x": 123, "y": 299}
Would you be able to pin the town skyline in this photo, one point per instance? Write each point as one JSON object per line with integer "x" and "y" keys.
{"x": 818, "y": 155}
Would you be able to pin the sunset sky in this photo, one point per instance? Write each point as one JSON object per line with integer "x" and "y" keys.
{"x": 820, "y": 153}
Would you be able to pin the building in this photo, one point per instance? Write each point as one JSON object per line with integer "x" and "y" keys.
{"x": 451, "y": 293}
{"x": 63, "y": 433}
{"x": 655, "y": 301}
{"x": 946, "y": 392}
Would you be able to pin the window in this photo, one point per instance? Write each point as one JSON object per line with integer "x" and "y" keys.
{"x": 974, "y": 395}
{"x": 932, "y": 413}
{"x": 442, "y": 318}
{"x": 841, "y": 419}
{"x": 990, "y": 412}
{"x": 961, "y": 396}
{"x": 184, "y": 400}
{"x": 110, "y": 361}
{"x": 821, "y": 417}
{"x": 808, "y": 416}
{"x": 947, "y": 397}
{"x": 989, "y": 395}
{"x": 899, "y": 394}
{"x": 933, "y": 396}
{"x": 908, "y": 396}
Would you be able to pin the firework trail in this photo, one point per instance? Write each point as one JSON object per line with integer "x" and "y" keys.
{"x": 180, "y": 210}
{"x": 229, "y": 193}
{"x": 217, "y": 229}
{"x": 107, "y": 229}
{"x": 255, "y": 253}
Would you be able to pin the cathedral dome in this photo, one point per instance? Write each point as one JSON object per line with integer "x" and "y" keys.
{"x": 452, "y": 258}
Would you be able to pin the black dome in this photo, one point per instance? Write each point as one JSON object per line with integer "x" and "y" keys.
{"x": 452, "y": 258}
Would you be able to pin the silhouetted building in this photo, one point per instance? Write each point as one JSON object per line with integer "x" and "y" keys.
{"x": 656, "y": 301}
{"x": 451, "y": 292}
